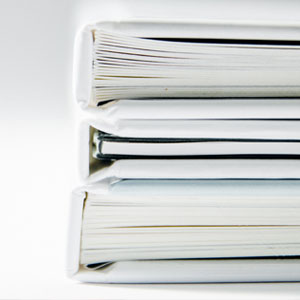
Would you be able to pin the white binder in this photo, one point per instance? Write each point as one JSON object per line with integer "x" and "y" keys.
{"x": 170, "y": 271}
{"x": 115, "y": 119}
{"x": 236, "y": 30}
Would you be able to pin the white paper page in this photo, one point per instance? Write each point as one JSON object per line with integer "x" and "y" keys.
{"x": 168, "y": 223}
{"x": 129, "y": 67}
{"x": 199, "y": 148}
{"x": 170, "y": 230}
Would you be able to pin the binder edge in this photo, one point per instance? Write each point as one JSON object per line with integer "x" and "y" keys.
{"x": 82, "y": 67}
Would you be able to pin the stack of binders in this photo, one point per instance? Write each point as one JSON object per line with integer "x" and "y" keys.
{"x": 190, "y": 162}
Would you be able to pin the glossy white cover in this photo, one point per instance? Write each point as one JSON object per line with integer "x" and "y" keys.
{"x": 219, "y": 129}
{"x": 199, "y": 169}
{"x": 168, "y": 109}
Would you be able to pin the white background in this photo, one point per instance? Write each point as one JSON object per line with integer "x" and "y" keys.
{"x": 38, "y": 165}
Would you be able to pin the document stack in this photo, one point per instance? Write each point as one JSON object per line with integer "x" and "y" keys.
{"x": 191, "y": 158}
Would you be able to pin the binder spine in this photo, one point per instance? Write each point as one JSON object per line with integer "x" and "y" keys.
{"x": 83, "y": 67}
{"x": 75, "y": 219}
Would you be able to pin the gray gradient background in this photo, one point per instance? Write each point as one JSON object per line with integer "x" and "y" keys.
{"x": 38, "y": 167}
